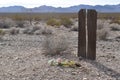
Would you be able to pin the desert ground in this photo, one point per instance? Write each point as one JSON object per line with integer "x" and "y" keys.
{"x": 26, "y": 46}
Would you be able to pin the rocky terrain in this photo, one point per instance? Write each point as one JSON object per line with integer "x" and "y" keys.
{"x": 22, "y": 57}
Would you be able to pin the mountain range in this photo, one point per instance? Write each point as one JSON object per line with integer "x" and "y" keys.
{"x": 71, "y": 9}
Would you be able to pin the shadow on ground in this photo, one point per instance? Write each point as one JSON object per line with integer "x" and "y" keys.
{"x": 108, "y": 71}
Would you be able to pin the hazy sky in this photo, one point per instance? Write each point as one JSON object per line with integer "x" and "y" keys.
{"x": 55, "y": 3}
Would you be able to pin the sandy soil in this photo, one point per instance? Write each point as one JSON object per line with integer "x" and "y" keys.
{"x": 21, "y": 58}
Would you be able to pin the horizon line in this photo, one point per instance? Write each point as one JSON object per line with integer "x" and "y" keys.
{"x": 58, "y": 6}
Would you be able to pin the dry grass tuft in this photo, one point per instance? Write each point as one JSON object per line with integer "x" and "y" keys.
{"x": 115, "y": 27}
{"x": 55, "y": 44}
{"x": 102, "y": 29}
{"x": 14, "y": 31}
{"x": 6, "y": 23}
{"x": 2, "y": 33}
{"x": 102, "y": 34}
{"x": 37, "y": 30}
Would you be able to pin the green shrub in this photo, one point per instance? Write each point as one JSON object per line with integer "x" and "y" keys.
{"x": 53, "y": 22}
{"x": 66, "y": 22}
{"x": 2, "y": 32}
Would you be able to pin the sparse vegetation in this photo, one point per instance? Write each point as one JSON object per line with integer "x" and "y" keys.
{"x": 31, "y": 30}
{"x": 6, "y": 23}
{"x": 14, "y": 31}
{"x": 20, "y": 24}
{"x": 28, "y": 31}
{"x": 2, "y": 33}
{"x": 117, "y": 21}
{"x": 17, "y": 17}
{"x": 38, "y": 30}
{"x": 53, "y": 22}
{"x": 115, "y": 27}
{"x": 63, "y": 21}
{"x": 66, "y": 22}
{"x": 47, "y": 31}
{"x": 22, "y": 56}
{"x": 102, "y": 34}
{"x": 102, "y": 29}
{"x": 74, "y": 28}
{"x": 102, "y": 24}
{"x": 37, "y": 16}
{"x": 55, "y": 45}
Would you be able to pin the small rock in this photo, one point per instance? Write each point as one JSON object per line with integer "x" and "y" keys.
{"x": 85, "y": 79}
{"x": 108, "y": 60}
{"x": 74, "y": 73}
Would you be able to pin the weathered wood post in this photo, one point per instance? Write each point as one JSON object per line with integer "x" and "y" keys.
{"x": 82, "y": 33}
{"x": 91, "y": 28}
{"x": 87, "y": 33}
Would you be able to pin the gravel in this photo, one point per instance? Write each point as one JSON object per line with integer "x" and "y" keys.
{"x": 21, "y": 58}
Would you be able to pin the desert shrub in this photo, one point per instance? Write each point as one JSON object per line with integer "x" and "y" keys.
{"x": 2, "y": 32}
{"x": 103, "y": 29}
{"x": 20, "y": 24}
{"x": 14, "y": 31}
{"x": 102, "y": 24}
{"x": 46, "y": 31}
{"x": 7, "y": 23}
{"x": 27, "y": 31}
{"x": 115, "y": 21}
{"x": 38, "y": 30}
{"x": 35, "y": 28}
{"x": 17, "y": 17}
{"x": 66, "y": 22}
{"x": 4, "y": 25}
{"x": 31, "y": 30}
{"x": 102, "y": 34}
{"x": 74, "y": 28}
{"x": 53, "y": 22}
{"x": 37, "y": 18}
{"x": 43, "y": 32}
{"x": 115, "y": 27}
{"x": 55, "y": 45}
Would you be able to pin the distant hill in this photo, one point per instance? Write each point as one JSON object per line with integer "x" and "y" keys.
{"x": 44, "y": 8}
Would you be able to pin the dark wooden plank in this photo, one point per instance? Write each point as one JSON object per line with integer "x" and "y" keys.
{"x": 82, "y": 33}
{"x": 91, "y": 26}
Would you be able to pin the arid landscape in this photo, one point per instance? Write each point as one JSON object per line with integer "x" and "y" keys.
{"x": 28, "y": 41}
